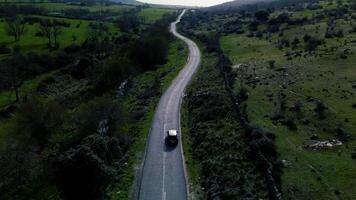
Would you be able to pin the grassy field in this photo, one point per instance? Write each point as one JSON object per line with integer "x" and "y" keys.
{"x": 76, "y": 33}
{"x": 55, "y": 7}
{"x": 7, "y": 97}
{"x": 308, "y": 174}
{"x": 151, "y": 15}
{"x": 30, "y": 42}
{"x": 78, "y": 30}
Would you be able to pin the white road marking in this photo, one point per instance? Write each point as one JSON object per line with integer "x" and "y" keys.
{"x": 164, "y": 176}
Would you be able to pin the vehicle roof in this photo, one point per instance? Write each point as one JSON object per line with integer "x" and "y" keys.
{"x": 172, "y": 132}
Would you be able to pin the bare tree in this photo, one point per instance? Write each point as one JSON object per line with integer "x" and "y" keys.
{"x": 56, "y": 30}
{"x": 15, "y": 27}
{"x": 46, "y": 31}
{"x": 14, "y": 70}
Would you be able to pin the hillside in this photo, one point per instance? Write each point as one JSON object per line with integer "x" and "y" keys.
{"x": 289, "y": 74}
{"x": 77, "y": 94}
{"x": 132, "y": 2}
{"x": 236, "y": 3}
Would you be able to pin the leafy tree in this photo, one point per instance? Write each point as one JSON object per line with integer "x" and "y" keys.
{"x": 271, "y": 64}
{"x": 313, "y": 43}
{"x": 83, "y": 172}
{"x": 295, "y": 43}
{"x": 17, "y": 169}
{"x": 15, "y": 27}
{"x": 129, "y": 22}
{"x": 38, "y": 119}
{"x": 262, "y": 15}
{"x": 320, "y": 109}
{"x": 151, "y": 48}
{"x": 117, "y": 69}
{"x": 90, "y": 115}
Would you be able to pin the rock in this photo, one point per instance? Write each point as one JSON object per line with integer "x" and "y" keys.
{"x": 314, "y": 137}
{"x": 317, "y": 145}
{"x": 7, "y": 111}
{"x": 285, "y": 163}
{"x": 122, "y": 89}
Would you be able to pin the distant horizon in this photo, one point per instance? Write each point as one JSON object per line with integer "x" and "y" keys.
{"x": 200, "y": 3}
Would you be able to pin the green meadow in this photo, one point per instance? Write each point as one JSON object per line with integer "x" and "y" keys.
{"x": 308, "y": 174}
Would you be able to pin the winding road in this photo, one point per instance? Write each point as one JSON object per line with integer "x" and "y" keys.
{"x": 163, "y": 174}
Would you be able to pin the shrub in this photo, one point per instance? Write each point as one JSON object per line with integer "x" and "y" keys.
{"x": 37, "y": 119}
{"x": 320, "y": 109}
{"x": 243, "y": 94}
{"x": 89, "y": 116}
{"x": 85, "y": 171}
{"x": 271, "y": 64}
{"x": 262, "y": 15}
{"x": 17, "y": 169}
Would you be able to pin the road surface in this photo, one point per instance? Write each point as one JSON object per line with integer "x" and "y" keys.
{"x": 163, "y": 174}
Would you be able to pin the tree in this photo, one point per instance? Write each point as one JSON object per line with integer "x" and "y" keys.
{"x": 262, "y": 15}
{"x": 14, "y": 70}
{"x": 295, "y": 43}
{"x": 17, "y": 168}
{"x": 320, "y": 109}
{"x": 90, "y": 115}
{"x": 271, "y": 64}
{"x": 83, "y": 172}
{"x": 128, "y": 22}
{"x": 15, "y": 27}
{"x": 46, "y": 31}
{"x": 37, "y": 119}
{"x": 56, "y": 31}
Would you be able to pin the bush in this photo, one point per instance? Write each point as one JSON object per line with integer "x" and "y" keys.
{"x": 4, "y": 49}
{"x": 37, "y": 119}
{"x": 342, "y": 134}
{"x": 320, "y": 109}
{"x": 18, "y": 167}
{"x": 262, "y": 15}
{"x": 243, "y": 94}
{"x": 271, "y": 64}
{"x": 89, "y": 116}
{"x": 85, "y": 171}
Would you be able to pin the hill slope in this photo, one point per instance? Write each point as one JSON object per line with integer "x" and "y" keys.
{"x": 237, "y": 3}
{"x": 133, "y": 2}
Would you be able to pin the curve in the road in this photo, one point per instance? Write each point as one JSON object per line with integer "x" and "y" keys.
{"x": 163, "y": 172}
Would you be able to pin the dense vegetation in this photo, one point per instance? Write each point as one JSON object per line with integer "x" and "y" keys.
{"x": 290, "y": 73}
{"x": 74, "y": 110}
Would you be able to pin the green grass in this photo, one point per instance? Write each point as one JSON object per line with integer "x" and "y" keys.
{"x": 242, "y": 49}
{"x": 151, "y": 15}
{"x": 191, "y": 165}
{"x": 322, "y": 174}
{"x": 8, "y": 97}
{"x": 309, "y": 174}
{"x": 176, "y": 60}
{"x": 92, "y": 8}
{"x": 30, "y": 42}
{"x": 5, "y": 126}
{"x": 58, "y": 7}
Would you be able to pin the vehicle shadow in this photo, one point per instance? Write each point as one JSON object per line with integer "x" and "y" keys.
{"x": 168, "y": 147}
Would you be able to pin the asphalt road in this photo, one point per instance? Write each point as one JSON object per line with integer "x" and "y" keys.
{"x": 163, "y": 176}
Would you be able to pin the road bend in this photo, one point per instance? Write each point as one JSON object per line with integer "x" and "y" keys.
{"x": 163, "y": 174}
